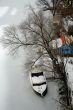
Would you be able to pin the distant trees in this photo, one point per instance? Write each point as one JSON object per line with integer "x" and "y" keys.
{"x": 63, "y": 7}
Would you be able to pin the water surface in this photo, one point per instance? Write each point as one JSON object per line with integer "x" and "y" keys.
{"x": 15, "y": 89}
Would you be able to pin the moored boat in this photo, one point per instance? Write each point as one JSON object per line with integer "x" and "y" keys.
{"x": 38, "y": 82}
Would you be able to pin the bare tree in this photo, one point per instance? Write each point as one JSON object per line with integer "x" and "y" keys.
{"x": 40, "y": 27}
{"x": 35, "y": 31}
{"x": 13, "y": 39}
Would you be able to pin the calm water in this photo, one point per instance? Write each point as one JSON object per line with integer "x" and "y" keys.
{"x": 15, "y": 90}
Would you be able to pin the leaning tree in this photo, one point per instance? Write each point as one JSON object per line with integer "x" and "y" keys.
{"x": 34, "y": 31}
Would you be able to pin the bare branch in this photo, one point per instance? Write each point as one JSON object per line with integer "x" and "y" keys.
{"x": 35, "y": 30}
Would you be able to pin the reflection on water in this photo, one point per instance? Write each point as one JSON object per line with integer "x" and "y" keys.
{"x": 15, "y": 89}
{"x": 16, "y": 92}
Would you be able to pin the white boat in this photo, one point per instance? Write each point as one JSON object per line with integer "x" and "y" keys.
{"x": 38, "y": 82}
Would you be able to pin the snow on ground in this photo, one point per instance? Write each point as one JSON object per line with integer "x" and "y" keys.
{"x": 69, "y": 70}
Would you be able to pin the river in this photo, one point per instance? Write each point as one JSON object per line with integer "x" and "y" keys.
{"x": 15, "y": 89}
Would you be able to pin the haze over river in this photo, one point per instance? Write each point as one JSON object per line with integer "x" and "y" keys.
{"x": 15, "y": 90}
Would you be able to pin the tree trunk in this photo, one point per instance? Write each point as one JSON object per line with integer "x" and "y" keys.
{"x": 54, "y": 60}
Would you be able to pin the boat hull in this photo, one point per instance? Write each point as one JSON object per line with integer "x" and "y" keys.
{"x": 38, "y": 83}
{"x": 43, "y": 94}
